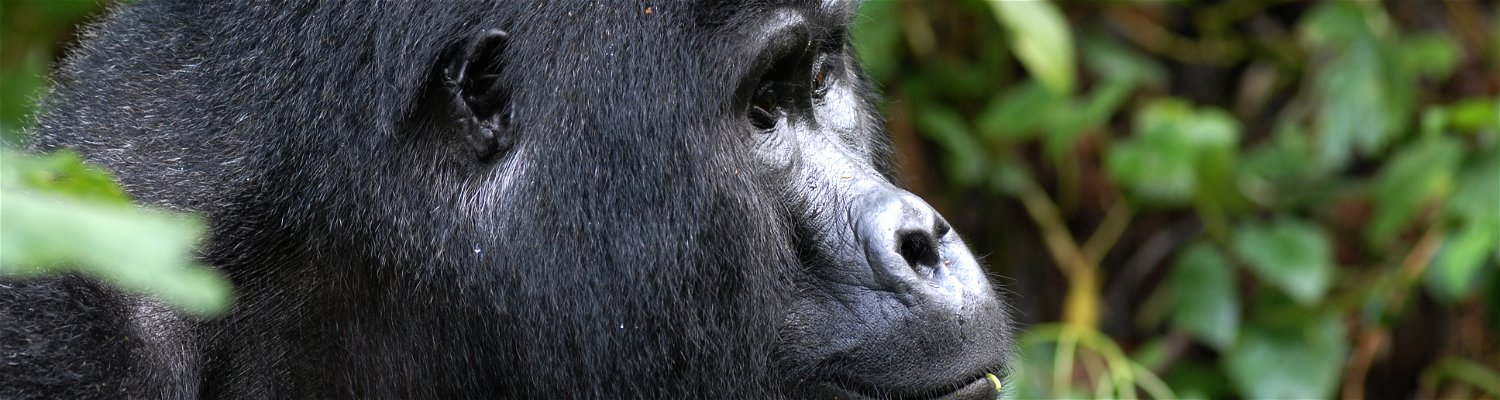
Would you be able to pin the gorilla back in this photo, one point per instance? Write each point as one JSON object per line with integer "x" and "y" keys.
{"x": 509, "y": 199}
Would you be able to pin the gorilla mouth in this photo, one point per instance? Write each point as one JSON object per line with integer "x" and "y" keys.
{"x": 982, "y": 386}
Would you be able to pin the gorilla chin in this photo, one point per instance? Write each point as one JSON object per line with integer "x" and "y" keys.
{"x": 512, "y": 199}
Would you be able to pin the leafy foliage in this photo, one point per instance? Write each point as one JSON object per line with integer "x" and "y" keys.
{"x": 1337, "y": 161}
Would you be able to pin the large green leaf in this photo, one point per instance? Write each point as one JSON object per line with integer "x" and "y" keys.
{"x": 61, "y": 216}
{"x": 1300, "y": 361}
{"x": 1292, "y": 255}
{"x": 1041, "y": 39}
{"x": 1366, "y": 93}
{"x": 1207, "y": 304}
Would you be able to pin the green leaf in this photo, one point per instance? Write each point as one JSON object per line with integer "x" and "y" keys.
{"x": 1475, "y": 115}
{"x": 1010, "y": 176}
{"x": 1175, "y": 149}
{"x": 1289, "y": 254}
{"x": 1205, "y": 292}
{"x": 1335, "y": 23}
{"x": 965, "y": 158}
{"x": 1433, "y": 55}
{"x": 1289, "y": 362}
{"x": 63, "y": 173}
{"x": 1473, "y": 231}
{"x": 1415, "y": 175}
{"x": 62, "y": 215}
{"x": 1194, "y": 379}
{"x": 1019, "y": 113}
{"x": 1356, "y": 114}
{"x": 1279, "y": 168}
{"x": 1363, "y": 88}
{"x": 1041, "y": 40}
{"x": 139, "y": 250}
{"x": 1068, "y": 124}
{"x": 1107, "y": 58}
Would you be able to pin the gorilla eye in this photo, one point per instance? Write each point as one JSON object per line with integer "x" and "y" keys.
{"x": 821, "y": 78}
{"x": 764, "y": 107}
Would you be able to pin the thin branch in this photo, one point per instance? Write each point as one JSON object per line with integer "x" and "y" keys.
{"x": 1108, "y": 232}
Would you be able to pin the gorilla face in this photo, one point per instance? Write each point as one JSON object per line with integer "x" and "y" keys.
{"x": 890, "y": 300}
{"x": 550, "y": 199}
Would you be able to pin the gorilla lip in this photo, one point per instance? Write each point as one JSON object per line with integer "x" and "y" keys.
{"x": 983, "y": 386}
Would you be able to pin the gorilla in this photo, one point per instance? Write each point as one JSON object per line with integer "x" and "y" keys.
{"x": 514, "y": 199}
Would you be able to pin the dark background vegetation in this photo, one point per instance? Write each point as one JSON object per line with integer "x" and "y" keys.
{"x": 1258, "y": 199}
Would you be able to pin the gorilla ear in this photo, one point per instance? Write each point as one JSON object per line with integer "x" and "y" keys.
{"x": 471, "y": 73}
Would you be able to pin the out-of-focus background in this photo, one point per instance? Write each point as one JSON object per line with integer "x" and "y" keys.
{"x": 1211, "y": 199}
{"x": 1217, "y": 199}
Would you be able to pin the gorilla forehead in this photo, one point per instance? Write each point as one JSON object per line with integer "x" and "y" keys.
{"x": 641, "y": 92}
{"x": 646, "y": 57}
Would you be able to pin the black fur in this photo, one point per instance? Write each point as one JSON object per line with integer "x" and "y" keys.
{"x": 626, "y": 243}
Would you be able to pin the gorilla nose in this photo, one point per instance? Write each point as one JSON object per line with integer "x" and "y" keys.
{"x": 918, "y": 231}
{"x": 905, "y": 240}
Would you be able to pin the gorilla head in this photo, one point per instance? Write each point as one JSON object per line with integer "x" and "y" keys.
{"x": 528, "y": 199}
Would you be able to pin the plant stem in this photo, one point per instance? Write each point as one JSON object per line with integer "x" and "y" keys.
{"x": 1081, "y": 307}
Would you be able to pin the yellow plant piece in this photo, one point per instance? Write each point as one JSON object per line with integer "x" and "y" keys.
{"x": 995, "y": 381}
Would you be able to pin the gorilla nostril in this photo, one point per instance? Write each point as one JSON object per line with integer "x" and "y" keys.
{"x": 941, "y": 228}
{"x": 917, "y": 248}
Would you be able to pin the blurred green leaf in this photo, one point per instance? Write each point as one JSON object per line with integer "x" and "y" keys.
{"x": 1113, "y": 61}
{"x": 1356, "y": 115}
{"x": 1280, "y": 168}
{"x": 1433, "y": 55}
{"x": 1206, "y": 301}
{"x": 1193, "y": 379}
{"x": 1416, "y": 175}
{"x": 1475, "y": 115}
{"x": 1336, "y": 23}
{"x": 61, "y": 215}
{"x": 1289, "y": 362}
{"x": 1019, "y": 113}
{"x": 1041, "y": 39}
{"x": 1165, "y": 161}
{"x": 1473, "y": 234}
{"x": 62, "y": 173}
{"x": 965, "y": 157}
{"x": 1071, "y": 122}
{"x": 961, "y": 80}
{"x": 1365, "y": 87}
{"x": 1290, "y": 254}
{"x": 1011, "y": 176}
